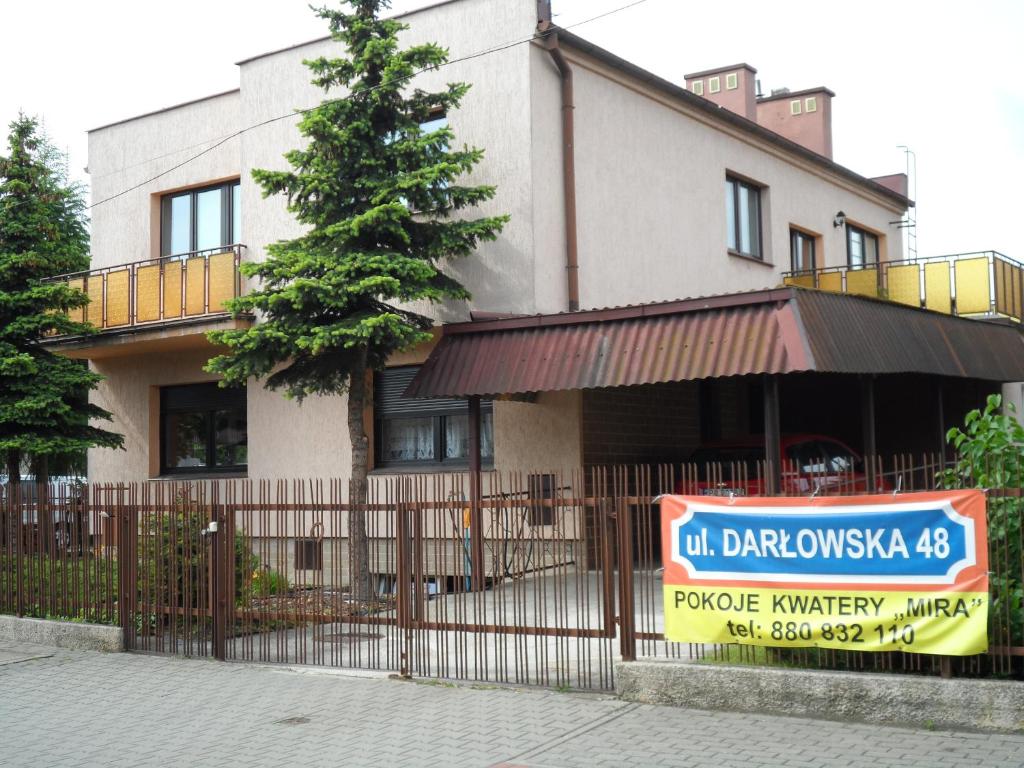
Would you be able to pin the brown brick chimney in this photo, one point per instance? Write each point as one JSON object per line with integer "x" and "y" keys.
{"x": 801, "y": 116}
{"x": 730, "y": 87}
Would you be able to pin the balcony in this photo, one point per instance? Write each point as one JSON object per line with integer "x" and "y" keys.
{"x": 179, "y": 295}
{"x": 984, "y": 284}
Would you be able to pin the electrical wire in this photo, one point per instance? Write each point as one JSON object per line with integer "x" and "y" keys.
{"x": 299, "y": 112}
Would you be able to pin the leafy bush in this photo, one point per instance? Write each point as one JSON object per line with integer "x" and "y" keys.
{"x": 175, "y": 562}
{"x": 990, "y": 454}
{"x": 75, "y": 588}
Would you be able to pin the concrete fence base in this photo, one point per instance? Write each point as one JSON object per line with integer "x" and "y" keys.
{"x": 61, "y": 634}
{"x": 993, "y": 705}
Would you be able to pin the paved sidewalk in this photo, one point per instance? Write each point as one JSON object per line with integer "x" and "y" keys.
{"x": 64, "y": 708}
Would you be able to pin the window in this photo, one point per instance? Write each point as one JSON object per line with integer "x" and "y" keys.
{"x": 802, "y": 257}
{"x": 541, "y": 490}
{"x": 698, "y": 87}
{"x": 794, "y": 107}
{"x": 861, "y": 247}
{"x": 435, "y": 122}
{"x": 200, "y": 219}
{"x": 203, "y": 429}
{"x": 743, "y": 217}
{"x": 714, "y": 84}
{"x": 410, "y": 432}
{"x": 811, "y": 104}
{"x": 309, "y": 554}
{"x": 731, "y": 81}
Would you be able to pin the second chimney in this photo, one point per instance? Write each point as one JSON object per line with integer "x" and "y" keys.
{"x": 801, "y": 116}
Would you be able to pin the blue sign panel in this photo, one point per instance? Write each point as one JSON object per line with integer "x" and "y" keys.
{"x": 928, "y": 544}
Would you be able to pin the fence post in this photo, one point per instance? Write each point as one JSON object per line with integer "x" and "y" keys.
{"x": 218, "y": 560}
{"x": 123, "y": 520}
{"x": 403, "y": 586}
{"x": 627, "y": 610}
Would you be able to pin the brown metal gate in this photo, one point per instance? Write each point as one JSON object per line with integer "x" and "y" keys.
{"x": 267, "y": 572}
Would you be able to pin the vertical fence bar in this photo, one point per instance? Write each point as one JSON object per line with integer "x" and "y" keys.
{"x": 627, "y": 610}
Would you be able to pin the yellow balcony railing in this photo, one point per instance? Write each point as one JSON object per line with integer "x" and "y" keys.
{"x": 171, "y": 289}
{"x": 980, "y": 284}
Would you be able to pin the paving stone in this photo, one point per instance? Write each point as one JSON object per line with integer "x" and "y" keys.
{"x": 70, "y": 708}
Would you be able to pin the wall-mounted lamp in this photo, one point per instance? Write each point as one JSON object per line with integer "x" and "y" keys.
{"x": 839, "y": 220}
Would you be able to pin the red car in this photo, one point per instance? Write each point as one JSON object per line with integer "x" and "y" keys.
{"x": 808, "y": 462}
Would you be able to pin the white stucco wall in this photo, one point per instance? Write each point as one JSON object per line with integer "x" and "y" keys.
{"x": 129, "y": 153}
{"x": 651, "y": 212}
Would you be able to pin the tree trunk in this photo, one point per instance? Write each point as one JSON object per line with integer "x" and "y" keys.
{"x": 13, "y": 467}
{"x": 41, "y": 470}
{"x": 358, "y": 543}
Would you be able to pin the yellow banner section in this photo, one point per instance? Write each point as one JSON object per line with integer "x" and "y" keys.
{"x": 947, "y": 623}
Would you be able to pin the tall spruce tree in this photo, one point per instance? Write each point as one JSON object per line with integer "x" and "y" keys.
{"x": 376, "y": 192}
{"x": 45, "y": 414}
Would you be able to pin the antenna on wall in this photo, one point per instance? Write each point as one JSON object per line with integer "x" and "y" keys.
{"x": 909, "y": 222}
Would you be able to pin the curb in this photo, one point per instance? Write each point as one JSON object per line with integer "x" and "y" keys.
{"x": 62, "y": 634}
{"x": 870, "y": 697}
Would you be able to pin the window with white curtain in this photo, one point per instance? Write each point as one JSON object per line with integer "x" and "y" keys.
{"x": 411, "y": 432}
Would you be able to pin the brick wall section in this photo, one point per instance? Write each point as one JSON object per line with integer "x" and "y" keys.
{"x": 640, "y": 425}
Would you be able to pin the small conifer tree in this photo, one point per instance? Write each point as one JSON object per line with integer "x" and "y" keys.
{"x": 377, "y": 191}
{"x": 45, "y": 413}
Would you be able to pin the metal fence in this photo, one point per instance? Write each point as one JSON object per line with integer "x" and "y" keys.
{"x": 965, "y": 284}
{"x": 57, "y": 554}
{"x": 569, "y": 581}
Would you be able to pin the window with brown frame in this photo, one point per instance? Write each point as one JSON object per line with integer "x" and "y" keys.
{"x": 743, "y": 218}
{"x": 861, "y": 247}
{"x": 802, "y": 255}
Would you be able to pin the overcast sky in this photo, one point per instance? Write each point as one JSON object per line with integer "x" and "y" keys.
{"x": 941, "y": 77}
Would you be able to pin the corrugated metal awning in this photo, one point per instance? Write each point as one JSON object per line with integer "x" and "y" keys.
{"x": 777, "y": 331}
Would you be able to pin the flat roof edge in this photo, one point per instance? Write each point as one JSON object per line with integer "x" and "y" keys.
{"x": 800, "y": 92}
{"x": 716, "y": 70}
{"x": 328, "y": 37}
{"x": 165, "y": 109}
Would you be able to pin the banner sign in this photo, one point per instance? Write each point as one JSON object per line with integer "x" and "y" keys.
{"x": 862, "y": 573}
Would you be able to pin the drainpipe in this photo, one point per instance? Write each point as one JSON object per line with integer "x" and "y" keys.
{"x": 572, "y": 267}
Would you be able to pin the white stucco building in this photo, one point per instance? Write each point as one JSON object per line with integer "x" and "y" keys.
{"x": 675, "y": 194}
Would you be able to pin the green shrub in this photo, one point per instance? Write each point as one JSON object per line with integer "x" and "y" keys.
{"x": 175, "y": 561}
{"x": 990, "y": 454}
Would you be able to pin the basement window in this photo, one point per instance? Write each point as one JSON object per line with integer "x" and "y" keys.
{"x": 309, "y": 555}
{"x": 203, "y": 429}
{"x": 413, "y": 433}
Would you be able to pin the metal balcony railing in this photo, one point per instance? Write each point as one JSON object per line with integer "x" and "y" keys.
{"x": 149, "y": 293}
{"x": 979, "y": 284}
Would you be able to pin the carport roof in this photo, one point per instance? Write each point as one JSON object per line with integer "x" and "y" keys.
{"x": 778, "y": 331}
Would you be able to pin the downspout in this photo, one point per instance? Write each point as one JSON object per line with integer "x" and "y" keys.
{"x": 572, "y": 267}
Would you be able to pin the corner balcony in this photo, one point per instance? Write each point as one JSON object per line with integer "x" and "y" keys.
{"x": 166, "y": 303}
{"x": 983, "y": 284}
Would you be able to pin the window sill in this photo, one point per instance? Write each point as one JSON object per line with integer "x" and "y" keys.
{"x": 187, "y": 477}
{"x": 427, "y": 469}
{"x": 752, "y": 259}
